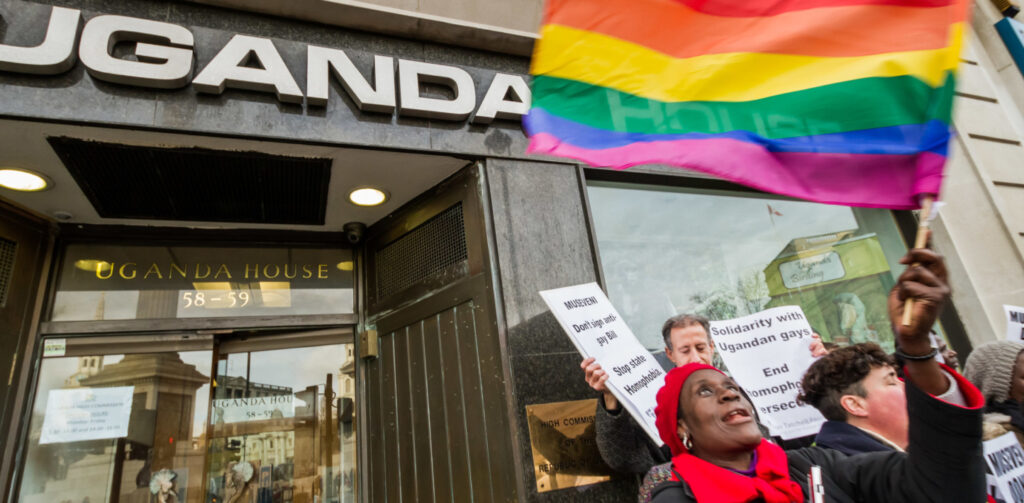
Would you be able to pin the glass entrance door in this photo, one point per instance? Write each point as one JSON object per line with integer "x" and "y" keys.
{"x": 119, "y": 418}
{"x": 282, "y": 422}
{"x": 193, "y": 418}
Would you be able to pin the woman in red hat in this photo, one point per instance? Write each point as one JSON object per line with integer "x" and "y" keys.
{"x": 719, "y": 455}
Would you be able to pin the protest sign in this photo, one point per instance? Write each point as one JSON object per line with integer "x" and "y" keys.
{"x": 86, "y": 414}
{"x": 768, "y": 353}
{"x": 1014, "y": 323}
{"x": 1005, "y": 460}
{"x": 597, "y": 330}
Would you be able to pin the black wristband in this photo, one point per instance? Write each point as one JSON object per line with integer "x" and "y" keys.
{"x": 917, "y": 358}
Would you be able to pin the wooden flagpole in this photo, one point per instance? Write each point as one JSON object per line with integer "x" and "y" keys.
{"x": 920, "y": 240}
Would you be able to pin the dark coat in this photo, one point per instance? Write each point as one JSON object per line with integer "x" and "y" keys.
{"x": 943, "y": 463}
{"x": 848, "y": 439}
{"x": 623, "y": 444}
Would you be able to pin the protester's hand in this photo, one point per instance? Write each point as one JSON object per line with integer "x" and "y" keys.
{"x": 926, "y": 283}
{"x": 596, "y": 378}
{"x": 817, "y": 347}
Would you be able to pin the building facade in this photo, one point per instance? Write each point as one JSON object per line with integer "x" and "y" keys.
{"x": 194, "y": 310}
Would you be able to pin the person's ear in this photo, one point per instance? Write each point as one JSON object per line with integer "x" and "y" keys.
{"x": 684, "y": 434}
{"x": 854, "y": 405}
{"x": 668, "y": 352}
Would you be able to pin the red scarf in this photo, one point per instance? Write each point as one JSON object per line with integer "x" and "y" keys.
{"x": 712, "y": 483}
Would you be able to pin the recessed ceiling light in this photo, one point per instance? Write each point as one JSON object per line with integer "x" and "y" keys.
{"x": 22, "y": 180}
{"x": 367, "y": 196}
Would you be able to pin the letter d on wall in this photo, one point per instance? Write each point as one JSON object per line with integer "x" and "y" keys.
{"x": 411, "y": 73}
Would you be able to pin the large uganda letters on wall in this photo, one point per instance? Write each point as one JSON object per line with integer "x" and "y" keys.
{"x": 86, "y": 414}
{"x": 768, "y": 353}
{"x": 597, "y": 330}
{"x": 1014, "y": 323}
{"x": 1005, "y": 460}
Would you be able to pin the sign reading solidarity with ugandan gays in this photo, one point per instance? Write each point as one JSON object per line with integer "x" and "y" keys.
{"x": 597, "y": 330}
{"x": 1005, "y": 460}
{"x": 1014, "y": 323}
{"x": 768, "y": 353}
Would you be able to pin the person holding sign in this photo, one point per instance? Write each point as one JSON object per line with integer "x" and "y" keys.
{"x": 623, "y": 444}
{"x": 719, "y": 454}
{"x": 997, "y": 368}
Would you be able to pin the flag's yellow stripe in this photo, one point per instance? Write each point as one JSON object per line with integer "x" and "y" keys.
{"x": 605, "y": 61}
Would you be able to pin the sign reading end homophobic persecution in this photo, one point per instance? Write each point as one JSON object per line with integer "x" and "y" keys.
{"x": 597, "y": 330}
{"x": 768, "y": 353}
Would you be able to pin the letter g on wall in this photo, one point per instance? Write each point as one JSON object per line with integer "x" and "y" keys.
{"x": 165, "y": 66}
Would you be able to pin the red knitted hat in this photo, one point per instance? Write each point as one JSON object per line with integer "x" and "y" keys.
{"x": 667, "y": 411}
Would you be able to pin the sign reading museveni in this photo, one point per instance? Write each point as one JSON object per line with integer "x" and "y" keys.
{"x": 163, "y": 58}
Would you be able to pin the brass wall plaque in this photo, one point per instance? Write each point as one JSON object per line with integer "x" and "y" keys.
{"x": 564, "y": 444}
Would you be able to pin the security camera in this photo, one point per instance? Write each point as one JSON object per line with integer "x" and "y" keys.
{"x": 354, "y": 232}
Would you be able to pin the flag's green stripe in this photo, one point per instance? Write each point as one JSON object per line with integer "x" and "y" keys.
{"x": 847, "y": 106}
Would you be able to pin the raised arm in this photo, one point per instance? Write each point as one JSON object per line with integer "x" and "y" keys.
{"x": 944, "y": 460}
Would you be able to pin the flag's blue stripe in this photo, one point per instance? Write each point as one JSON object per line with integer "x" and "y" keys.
{"x": 932, "y": 136}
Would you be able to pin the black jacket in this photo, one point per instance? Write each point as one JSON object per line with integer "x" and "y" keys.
{"x": 848, "y": 439}
{"x": 943, "y": 463}
{"x": 624, "y": 445}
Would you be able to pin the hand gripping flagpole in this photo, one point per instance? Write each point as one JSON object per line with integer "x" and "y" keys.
{"x": 924, "y": 220}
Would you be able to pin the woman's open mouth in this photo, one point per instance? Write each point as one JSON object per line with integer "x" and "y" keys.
{"x": 737, "y": 416}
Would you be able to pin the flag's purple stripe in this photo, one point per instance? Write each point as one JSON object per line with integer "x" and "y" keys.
{"x": 872, "y": 180}
{"x": 932, "y": 136}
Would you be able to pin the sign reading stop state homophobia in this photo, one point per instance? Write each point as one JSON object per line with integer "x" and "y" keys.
{"x": 768, "y": 353}
{"x": 1005, "y": 460}
{"x": 597, "y": 330}
{"x": 86, "y": 414}
{"x": 1014, "y": 323}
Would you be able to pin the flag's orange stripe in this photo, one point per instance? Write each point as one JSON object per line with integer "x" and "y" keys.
{"x": 754, "y": 8}
{"x": 681, "y": 32}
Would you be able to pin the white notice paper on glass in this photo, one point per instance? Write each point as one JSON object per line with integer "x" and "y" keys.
{"x": 597, "y": 330}
{"x": 768, "y": 354}
{"x": 1014, "y": 323}
{"x": 86, "y": 414}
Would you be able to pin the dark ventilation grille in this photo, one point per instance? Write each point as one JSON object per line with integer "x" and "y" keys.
{"x": 428, "y": 251}
{"x": 7, "y": 249}
{"x": 123, "y": 181}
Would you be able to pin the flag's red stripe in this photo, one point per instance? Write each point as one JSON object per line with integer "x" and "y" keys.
{"x": 681, "y": 32}
{"x": 753, "y": 8}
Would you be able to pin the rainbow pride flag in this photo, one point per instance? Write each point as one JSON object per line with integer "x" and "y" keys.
{"x": 836, "y": 101}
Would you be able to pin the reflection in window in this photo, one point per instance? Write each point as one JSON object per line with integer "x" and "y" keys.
{"x": 281, "y": 427}
{"x": 125, "y": 282}
{"x": 667, "y": 251}
{"x": 155, "y": 406}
